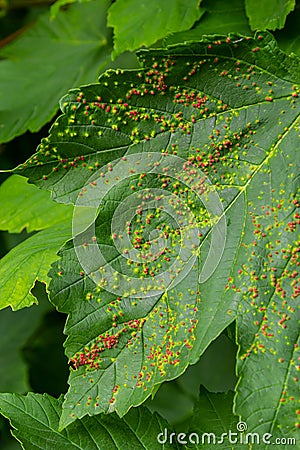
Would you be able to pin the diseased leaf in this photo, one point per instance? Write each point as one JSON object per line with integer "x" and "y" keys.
{"x": 24, "y": 206}
{"x": 167, "y": 162}
{"x": 153, "y": 21}
{"x": 268, "y": 15}
{"x": 163, "y": 403}
{"x": 269, "y": 286}
{"x": 35, "y": 420}
{"x": 215, "y": 371}
{"x": 48, "y": 59}
{"x": 221, "y": 16}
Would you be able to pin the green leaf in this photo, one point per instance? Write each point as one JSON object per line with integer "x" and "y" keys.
{"x": 16, "y": 328}
{"x": 221, "y": 16}
{"x": 28, "y": 262}
{"x": 35, "y": 420}
{"x": 268, "y": 15}
{"x": 54, "y": 55}
{"x": 212, "y": 418}
{"x": 212, "y": 123}
{"x": 55, "y": 8}
{"x": 134, "y": 30}
{"x": 25, "y": 206}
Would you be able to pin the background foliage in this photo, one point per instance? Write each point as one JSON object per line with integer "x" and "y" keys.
{"x": 45, "y": 50}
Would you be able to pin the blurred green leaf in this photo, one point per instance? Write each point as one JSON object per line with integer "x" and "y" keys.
{"x": 48, "y": 59}
{"x": 220, "y": 17}
{"x": 268, "y": 15}
{"x": 25, "y": 206}
{"x": 139, "y": 23}
{"x": 28, "y": 262}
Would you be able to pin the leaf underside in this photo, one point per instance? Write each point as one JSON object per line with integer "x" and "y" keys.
{"x": 229, "y": 107}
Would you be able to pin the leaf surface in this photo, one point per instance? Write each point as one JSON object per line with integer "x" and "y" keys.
{"x": 266, "y": 15}
{"x": 35, "y": 419}
{"x": 213, "y": 123}
{"x": 47, "y": 60}
{"x": 153, "y": 21}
